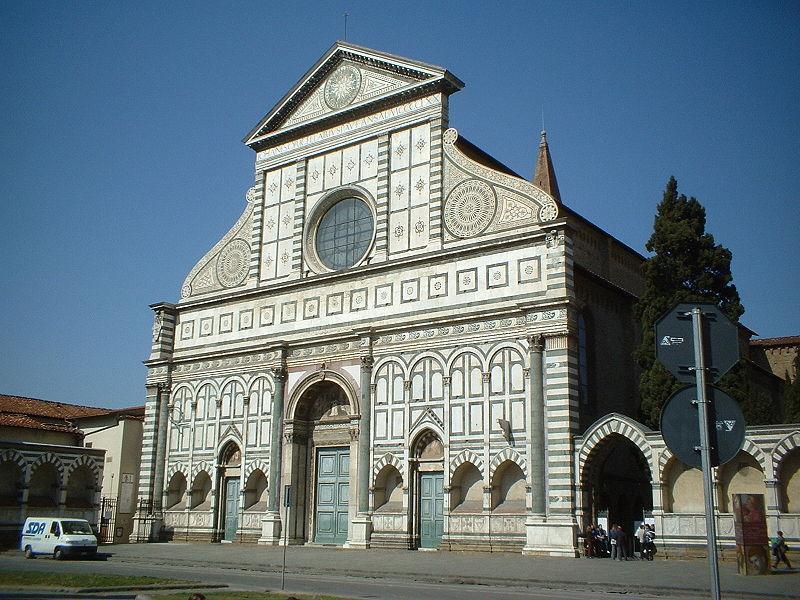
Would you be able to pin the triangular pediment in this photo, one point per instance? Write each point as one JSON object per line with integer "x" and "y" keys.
{"x": 349, "y": 79}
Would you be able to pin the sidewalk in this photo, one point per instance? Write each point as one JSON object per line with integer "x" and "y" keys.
{"x": 674, "y": 575}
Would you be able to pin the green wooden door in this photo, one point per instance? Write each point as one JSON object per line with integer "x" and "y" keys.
{"x": 231, "y": 508}
{"x": 431, "y": 509}
{"x": 333, "y": 495}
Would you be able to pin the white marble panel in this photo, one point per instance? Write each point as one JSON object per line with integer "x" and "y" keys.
{"x": 457, "y": 419}
{"x": 518, "y": 415}
{"x": 369, "y": 159}
{"x": 284, "y": 258}
{"x": 475, "y": 417}
{"x": 264, "y": 436}
{"x": 333, "y": 170}
{"x": 350, "y": 165}
{"x": 397, "y": 423}
{"x": 381, "y": 424}
{"x": 252, "y": 433}
{"x": 421, "y": 144}
{"x": 272, "y": 188}
{"x": 400, "y": 150}
{"x": 315, "y": 177}
{"x": 498, "y": 408}
{"x": 420, "y": 221}
{"x": 286, "y": 220}
{"x": 420, "y": 184}
{"x": 288, "y": 176}
{"x": 210, "y": 436}
{"x": 399, "y": 192}
{"x": 398, "y": 232}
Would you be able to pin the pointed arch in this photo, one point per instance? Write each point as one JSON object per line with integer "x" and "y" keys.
{"x": 254, "y": 465}
{"x": 387, "y": 459}
{"x": 91, "y": 464}
{"x": 52, "y": 459}
{"x": 466, "y": 456}
{"x": 756, "y": 453}
{"x": 203, "y": 465}
{"x": 615, "y": 423}
{"x": 782, "y": 449}
{"x": 503, "y": 456}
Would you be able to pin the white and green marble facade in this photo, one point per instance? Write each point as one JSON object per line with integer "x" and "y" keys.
{"x": 460, "y": 320}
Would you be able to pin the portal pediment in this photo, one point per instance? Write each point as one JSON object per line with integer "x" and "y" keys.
{"x": 348, "y": 80}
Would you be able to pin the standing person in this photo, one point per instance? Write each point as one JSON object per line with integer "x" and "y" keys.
{"x": 613, "y": 535}
{"x": 622, "y": 543}
{"x": 601, "y": 541}
{"x": 588, "y": 542}
{"x": 640, "y": 540}
{"x": 649, "y": 547}
{"x": 779, "y": 549}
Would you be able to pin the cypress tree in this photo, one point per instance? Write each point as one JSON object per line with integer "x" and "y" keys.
{"x": 686, "y": 266}
{"x": 791, "y": 395}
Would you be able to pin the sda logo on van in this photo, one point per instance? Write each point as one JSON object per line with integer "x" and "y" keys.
{"x": 35, "y": 528}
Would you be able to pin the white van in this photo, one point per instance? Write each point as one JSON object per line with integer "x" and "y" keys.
{"x": 58, "y": 537}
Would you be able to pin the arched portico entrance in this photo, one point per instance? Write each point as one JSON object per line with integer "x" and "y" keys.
{"x": 317, "y": 464}
{"x": 617, "y": 483}
{"x": 230, "y": 477}
{"x": 427, "y": 464}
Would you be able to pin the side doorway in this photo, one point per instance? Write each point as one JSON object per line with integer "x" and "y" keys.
{"x": 431, "y": 509}
{"x": 231, "y": 508}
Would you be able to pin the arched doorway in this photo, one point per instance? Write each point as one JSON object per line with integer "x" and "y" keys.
{"x": 427, "y": 464}
{"x": 617, "y": 483}
{"x": 230, "y": 477}
{"x": 317, "y": 458}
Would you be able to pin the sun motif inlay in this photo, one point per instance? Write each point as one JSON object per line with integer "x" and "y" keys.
{"x": 342, "y": 87}
{"x": 469, "y": 208}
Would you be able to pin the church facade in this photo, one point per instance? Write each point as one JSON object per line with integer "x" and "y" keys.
{"x": 403, "y": 343}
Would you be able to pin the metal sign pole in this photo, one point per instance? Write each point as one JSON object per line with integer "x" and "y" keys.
{"x": 705, "y": 449}
{"x": 285, "y": 534}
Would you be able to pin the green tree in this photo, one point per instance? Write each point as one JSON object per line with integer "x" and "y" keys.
{"x": 791, "y": 395}
{"x": 686, "y": 266}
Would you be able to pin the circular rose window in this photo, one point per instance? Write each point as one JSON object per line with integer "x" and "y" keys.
{"x": 344, "y": 233}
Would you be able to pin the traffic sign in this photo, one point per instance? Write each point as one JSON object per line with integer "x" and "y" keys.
{"x": 675, "y": 346}
{"x": 679, "y": 426}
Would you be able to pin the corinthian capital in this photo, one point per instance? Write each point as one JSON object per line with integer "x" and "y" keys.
{"x": 536, "y": 342}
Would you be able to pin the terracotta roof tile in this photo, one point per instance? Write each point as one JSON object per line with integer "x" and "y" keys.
{"x": 28, "y": 422}
{"x": 792, "y": 340}
{"x": 46, "y": 408}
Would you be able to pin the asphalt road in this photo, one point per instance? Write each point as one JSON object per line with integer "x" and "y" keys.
{"x": 421, "y": 576}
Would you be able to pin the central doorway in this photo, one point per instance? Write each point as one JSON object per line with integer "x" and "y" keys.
{"x": 333, "y": 495}
{"x": 321, "y": 443}
{"x": 428, "y": 462}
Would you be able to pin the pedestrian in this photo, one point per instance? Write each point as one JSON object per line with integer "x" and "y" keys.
{"x": 649, "y": 547}
{"x": 588, "y": 542}
{"x": 779, "y": 549}
{"x": 601, "y": 541}
{"x": 640, "y": 540}
{"x": 613, "y": 536}
{"x": 622, "y": 543}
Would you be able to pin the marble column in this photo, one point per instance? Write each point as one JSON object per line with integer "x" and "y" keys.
{"x": 271, "y": 524}
{"x": 161, "y": 446}
{"x": 362, "y": 523}
{"x": 537, "y": 428}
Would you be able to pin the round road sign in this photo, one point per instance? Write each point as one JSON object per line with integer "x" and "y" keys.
{"x": 680, "y": 427}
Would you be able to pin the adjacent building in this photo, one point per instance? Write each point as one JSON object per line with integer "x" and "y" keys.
{"x": 68, "y": 460}
{"x": 412, "y": 346}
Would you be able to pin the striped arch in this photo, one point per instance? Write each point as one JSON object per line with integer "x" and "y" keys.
{"x": 614, "y": 423}
{"x": 756, "y": 453}
{"x": 91, "y": 464}
{"x": 203, "y": 465}
{"x": 15, "y": 457}
{"x": 256, "y": 465}
{"x": 49, "y": 457}
{"x": 782, "y": 449}
{"x": 466, "y": 456}
{"x": 177, "y": 468}
{"x": 507, "y": 454}
{"x": 387, "y": 459}
{"x": 663, "y": 459}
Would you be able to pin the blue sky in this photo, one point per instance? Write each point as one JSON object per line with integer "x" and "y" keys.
{"x": 122, "y": 160}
